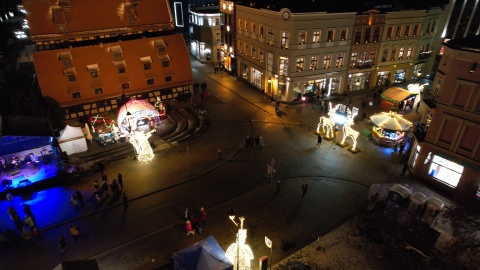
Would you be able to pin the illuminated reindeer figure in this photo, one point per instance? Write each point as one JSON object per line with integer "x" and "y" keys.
{"x": 329, "y": 122}
{"x": 348, "y": 131}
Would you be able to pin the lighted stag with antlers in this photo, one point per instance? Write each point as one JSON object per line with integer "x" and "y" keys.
{"x": 348, "y": 131}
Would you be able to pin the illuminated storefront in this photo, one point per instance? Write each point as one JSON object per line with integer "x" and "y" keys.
{"x": 359, "y": 81}
{"x": 399, "y": 76}
{"x": 383, "y": 78}
{"x": 330, "y": 85}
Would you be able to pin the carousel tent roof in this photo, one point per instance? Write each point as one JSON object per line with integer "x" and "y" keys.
{"x": 396, "y": 93}
{"x": 390, "y": 121}
{"x": 133, "y": 106}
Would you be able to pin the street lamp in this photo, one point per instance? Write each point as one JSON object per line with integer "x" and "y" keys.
{"x": 269, "y": 85}
{"x": 239, "y": 251}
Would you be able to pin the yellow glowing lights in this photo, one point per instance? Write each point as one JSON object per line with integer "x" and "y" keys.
{"x": 140, "y": 142}
{"x": 240, "y": 250}
{"x": 348, "y": 131}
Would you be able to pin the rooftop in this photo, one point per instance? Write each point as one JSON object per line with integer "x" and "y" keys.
{"x": 470, "y": 43}
{"x": 342, "y": 5}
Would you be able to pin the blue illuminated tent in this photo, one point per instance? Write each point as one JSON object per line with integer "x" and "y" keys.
{"x": 203, "y": 255}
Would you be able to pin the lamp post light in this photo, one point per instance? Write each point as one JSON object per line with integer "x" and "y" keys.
{"x": 269, "y": 86}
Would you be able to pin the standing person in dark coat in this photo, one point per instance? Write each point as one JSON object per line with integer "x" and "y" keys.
{"x": 404, "y": 169}
{"x": 120, "y": 180}
{"x": 401, "y": 148}
{"x": 304, "y": 188}
{"x": 250, "y": 142}
{"x": 319, "y": 140}
{"x": 79, "y": 197}
{"x": 104, "y": 177}
{"x": 62, "y": 244}
{"x": 257, "y": 142}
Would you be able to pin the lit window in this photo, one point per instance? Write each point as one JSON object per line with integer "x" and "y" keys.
{"x": 76, "y": 95}
{"x": 98, "y": 90}
{"x": 445, "y": 170}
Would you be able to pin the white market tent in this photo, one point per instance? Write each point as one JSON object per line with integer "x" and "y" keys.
{"x": 72, "y": 140}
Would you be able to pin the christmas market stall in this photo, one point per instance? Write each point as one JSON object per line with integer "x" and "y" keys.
{"x": 137, "y": 115}
{"x": 397, "y": 97}
{"x": 389, "y": 128}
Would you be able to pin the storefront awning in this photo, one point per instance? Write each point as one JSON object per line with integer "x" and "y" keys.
{"x": 390, "y": 121}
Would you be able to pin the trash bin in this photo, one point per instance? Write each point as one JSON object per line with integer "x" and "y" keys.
{"x": 400, "y": 195}
{"x": 432, "y": 209}
{"x": 417, "y": 201}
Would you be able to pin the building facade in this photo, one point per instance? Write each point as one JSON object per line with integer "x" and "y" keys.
{"x": 228, "y": 36}
{"x": 287, "y": 55}
{"x": 447, "y": 152}
{"x": 92, "y": 58}
{"x": 205, "y": 34}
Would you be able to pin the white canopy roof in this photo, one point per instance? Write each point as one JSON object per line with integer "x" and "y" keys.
{"x": 390, "y": 121}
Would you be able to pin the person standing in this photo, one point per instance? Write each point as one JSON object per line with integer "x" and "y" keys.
{"x": 247, "y": 141}
{"x": 261, "y": 142}
{"x": 62, "y": 244}
{"x": 27, "y": 234}
{"x": 104, "y": 177}
{"x": 335, "y": 134}
{"x": 219, "y": 154}
{"x": 203, "y": 215}
{"x": 75, "y": 232}
{"x": 276, "y": 187}
{"x": 9, "y": 198}
{"x": 257, "y": 141}
{"x": 319, "y": 140}
{"x": 189, "y": 228}
{"x": 29, "y": 222}
{"x": 80, "y": 197}
{"x": 269, "y": 170}
{"x": 404, "y": 169}
{"x": 120, "y": 180}
{"x": 125, "y": 200}
{"x": 115, "y": 188}
{"x": 401, "y": 148}
{"x": 74, "y": 201}
{"x": 304, "y": 188}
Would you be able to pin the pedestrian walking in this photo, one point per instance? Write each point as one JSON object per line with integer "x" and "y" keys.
{"x": 215, "y": 69}
{"x": 304, "y": 188}
{"x": 269, "y": 171}
{"x": 74, "y": 201}
{"x": 319, "y": 140}
{"x": 247, "y": 142}
{"x": 96, "y": 186}
{"x": 75, "y": 232}
{"x": 276, "y": 187}
{"x": 29, "y": 222}
{"x": 189, "y": 228}
{"x": 12, "y": 212}
{"x": 257, "y": 141}
{"x": 62, "y": 244}
{"x": 261, "y": 142}
{"x": 79, "y": 197}
{"x": 219, "y": 154}
{"x": 28, "y": 211}
{"x": 104, "y": 188}
{"x": 195, "y": 88}
{"x": 125, "y": 200}
{"x": 120, "y": 180}
{"x": 335, "y": 134}
{"x": 404, "y": 169}
{"x": 401, "y": 148}
{"x": 203, "y": 215}
{"x": 187, "y": 213}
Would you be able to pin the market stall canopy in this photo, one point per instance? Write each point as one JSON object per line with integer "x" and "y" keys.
{"x": 203, "y": 255}
{"x": 396, "y": 94}
{"x": 136, "y": 108}
{"x": 390, "y": 121}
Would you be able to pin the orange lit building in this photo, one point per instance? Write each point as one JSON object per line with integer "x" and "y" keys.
{"x": 91, "y": 55}
{"x": 64, "y": 23}
{"x": 90, "y": 80}
{"x": 449, "y": 155}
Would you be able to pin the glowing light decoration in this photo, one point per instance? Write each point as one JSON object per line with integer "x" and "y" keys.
{"x": 328, "y": 123}
{"x": 140, "y": 142}
{"x": 240, "y": 250}
{"x": 348, "y": 131}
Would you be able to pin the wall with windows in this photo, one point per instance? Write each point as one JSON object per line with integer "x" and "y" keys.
{"x": 297, "y": 53}
{"x": 406, "y": 42}
{"x": 450, "y": 155}
{"x": 205, "y": 34}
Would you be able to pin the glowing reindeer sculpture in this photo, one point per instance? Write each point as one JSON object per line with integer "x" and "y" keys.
{"x": 329, "y": 122}
{"x": 348, "y": 131}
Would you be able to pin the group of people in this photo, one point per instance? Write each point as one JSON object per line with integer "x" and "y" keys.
{"x": 203, "y": 87}
{"x": 194, "y": 222}
{"x": 258, "y": 142}
{"x": 26, "y": 227}
{"x": 115, "y": 187}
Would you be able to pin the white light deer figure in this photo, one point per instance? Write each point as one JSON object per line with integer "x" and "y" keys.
{"x": 348, "y": 131}
{"x": 329, "y": 122}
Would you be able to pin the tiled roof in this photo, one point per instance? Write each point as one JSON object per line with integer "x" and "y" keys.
{"x": 52, "y": 72}
{"x": 92, "y": 15}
